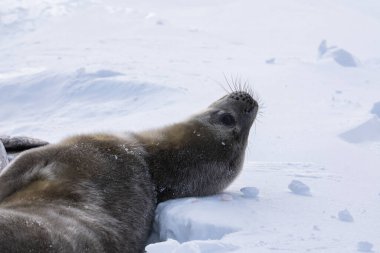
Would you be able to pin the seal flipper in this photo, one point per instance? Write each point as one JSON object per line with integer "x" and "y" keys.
{"x": 3, "y": 156}
{"x": 20, "y": 172}
{"x": 21, "y": 143}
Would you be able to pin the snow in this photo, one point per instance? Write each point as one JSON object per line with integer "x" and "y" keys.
{"x": 100, "y": 94}
{"x": 81, "y": 66}
{"x": 369, "y": 131}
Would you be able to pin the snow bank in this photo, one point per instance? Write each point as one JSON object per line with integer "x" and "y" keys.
{"x": 79, "y": 96}
{"x": 369, "y": 131}
{"x": 77, "y": 87}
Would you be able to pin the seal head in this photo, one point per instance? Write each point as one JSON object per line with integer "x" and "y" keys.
{"x": 201, "y": 156}
{"x": 235, "y": 113}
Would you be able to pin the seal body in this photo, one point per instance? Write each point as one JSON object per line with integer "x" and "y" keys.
{"x": 86, "y": 194}
{"x": 98, "y": 193}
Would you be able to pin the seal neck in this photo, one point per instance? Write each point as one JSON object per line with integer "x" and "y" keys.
{"x": 186, "y": 160}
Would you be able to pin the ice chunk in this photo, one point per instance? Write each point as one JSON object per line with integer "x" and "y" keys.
{"x": 250, "y": 192}
{"x": 376, "y": 109}
{"x": 205, "y": 246}
{"x": 345, "y": 215}
{"x": 299, "y": 188}
{"x": 162, "y": 247}
{"x": 344, "y": 58}
{"x": 364, "y": 246}
{"x": 339, "y": 55}
{"x": 323, "y": 49}
{"x": 185, "y": 219}
{"x": 172, "y": 246}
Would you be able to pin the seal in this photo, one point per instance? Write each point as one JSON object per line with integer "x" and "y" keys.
{"x": 98, "y": 192}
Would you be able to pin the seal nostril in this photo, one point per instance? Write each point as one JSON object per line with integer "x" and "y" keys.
{"x": 243, "y": 97}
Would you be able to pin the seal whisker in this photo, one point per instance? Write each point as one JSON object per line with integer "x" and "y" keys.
{"x": 251, "y": 91}
{"x": 259, "y": 118}
{"x": 234, "y": 80}
{"x": 222, "y": 86}
{"x": 228, "y": 83}
{"x": 246, "y": 87}
{"x": 238, "y": 80}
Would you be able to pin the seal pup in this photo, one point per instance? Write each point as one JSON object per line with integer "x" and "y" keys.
{"x": 98, "y": 192}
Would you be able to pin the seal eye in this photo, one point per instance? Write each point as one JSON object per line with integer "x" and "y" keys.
{"x": 227, "y": 119}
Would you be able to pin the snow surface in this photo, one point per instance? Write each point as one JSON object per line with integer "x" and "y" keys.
{"x": 73, "y": 66}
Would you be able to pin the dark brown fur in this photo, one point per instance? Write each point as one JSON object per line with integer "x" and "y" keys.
{"x": 98, "y": 193}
